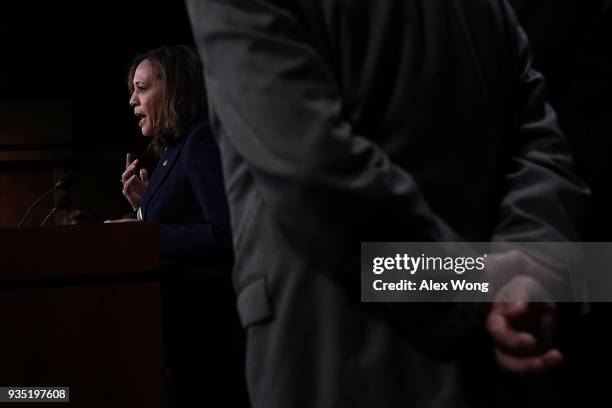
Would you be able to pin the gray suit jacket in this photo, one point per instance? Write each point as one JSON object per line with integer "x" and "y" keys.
{"x": 342, "y": 121}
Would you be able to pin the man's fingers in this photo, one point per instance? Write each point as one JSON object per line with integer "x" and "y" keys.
{"x": 513, "y": 309}
{"x": 519, "y": 365}
{"x": 508, "y": 338}
{"x": 553, "y": 358}
{"x": 522, "y": 328}
{"x": 128, "y": 160}
{"x": 531, "y": 364}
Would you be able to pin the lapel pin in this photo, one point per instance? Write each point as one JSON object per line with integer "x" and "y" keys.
{"x": 165, "y": 163}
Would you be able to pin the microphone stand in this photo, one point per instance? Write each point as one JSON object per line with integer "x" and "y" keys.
{"x": 27, "y": 214}
{"x": 61, "y": 204}
{"x": 65, "y": 183}
{"x": 44, "y": 221}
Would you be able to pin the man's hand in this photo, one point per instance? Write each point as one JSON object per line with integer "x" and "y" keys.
{"x": 521, "y": 328}
{"x": 502, "y": 267}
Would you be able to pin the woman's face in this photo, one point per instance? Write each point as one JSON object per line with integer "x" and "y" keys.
{"x": 146, "y": 97}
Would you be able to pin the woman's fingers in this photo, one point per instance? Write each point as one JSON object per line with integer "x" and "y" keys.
{"x": 133, "y": 190}
{"x": 133, "y": 185}
{"x": 128, "y": 185}
{"x": 129, "y": 171}
{"x": 144, "y": 176}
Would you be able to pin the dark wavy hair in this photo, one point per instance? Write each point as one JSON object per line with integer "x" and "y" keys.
{"x": 184, "y": 93}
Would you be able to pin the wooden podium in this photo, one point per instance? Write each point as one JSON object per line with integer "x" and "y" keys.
{"x": 80, "y": 307}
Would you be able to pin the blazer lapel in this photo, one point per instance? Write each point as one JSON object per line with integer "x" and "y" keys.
{"x": 164, "y": 166}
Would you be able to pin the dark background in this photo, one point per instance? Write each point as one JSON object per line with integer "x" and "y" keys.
{"x": 63, "y": 88}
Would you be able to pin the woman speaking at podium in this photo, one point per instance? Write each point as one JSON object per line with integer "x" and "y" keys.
{"x": 186, "y": 196}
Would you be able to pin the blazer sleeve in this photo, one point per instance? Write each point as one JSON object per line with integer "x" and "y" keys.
{"x": 205, "y": 175}
{"x": 280, "y": 108}
{"x": 543, "y": 199}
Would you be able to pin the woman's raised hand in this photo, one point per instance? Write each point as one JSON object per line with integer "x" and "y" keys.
{"x": 133, "y": 184}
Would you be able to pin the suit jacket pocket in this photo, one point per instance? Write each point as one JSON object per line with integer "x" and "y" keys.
{"x": 254, "y": 304}
{"x": 255, "y": 310}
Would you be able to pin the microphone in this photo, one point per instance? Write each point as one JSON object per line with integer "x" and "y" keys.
{"x": 61, "y": 204}
{"x": 64, "y": 183}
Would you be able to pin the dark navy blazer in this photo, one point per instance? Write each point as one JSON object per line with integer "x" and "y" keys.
{"x": 186, "y": 195}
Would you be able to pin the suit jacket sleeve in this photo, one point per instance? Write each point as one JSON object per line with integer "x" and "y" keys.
{"x": 280, "y": 107}
{"x": 543, "y": 199}
{"x": 205, "y": 175}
